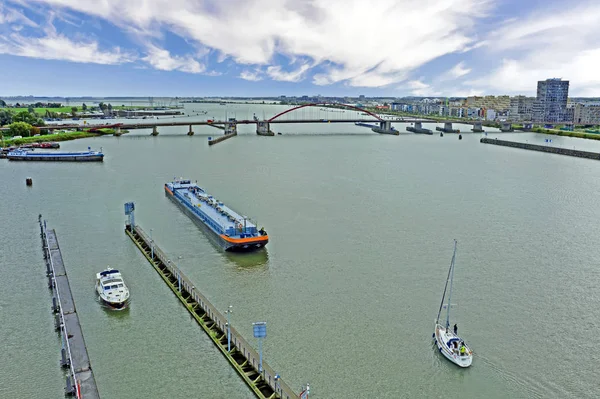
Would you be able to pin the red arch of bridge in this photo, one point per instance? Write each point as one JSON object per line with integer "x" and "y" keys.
{"x": 315, "y": 104}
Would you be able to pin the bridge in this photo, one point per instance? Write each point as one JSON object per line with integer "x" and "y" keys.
{"x": 305, "y": 113}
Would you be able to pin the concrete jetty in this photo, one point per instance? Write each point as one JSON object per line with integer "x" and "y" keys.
{"x": 542, "y": 148}
{"x": 263, "y": 381}
{"x": 80, "y": 381}
{"x": 215, "y": 140}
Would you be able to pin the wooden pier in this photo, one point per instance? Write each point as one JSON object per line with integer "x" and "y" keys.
{"x": 244, "y": 359}
{"x": 74, "y": 357}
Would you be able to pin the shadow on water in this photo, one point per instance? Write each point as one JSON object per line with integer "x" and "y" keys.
{"x": 113, "y": 312}
{"x": 248, "y": 260}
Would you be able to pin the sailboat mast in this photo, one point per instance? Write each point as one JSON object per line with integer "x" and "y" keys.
{"x": 445, "y": 287}
{"x": 451, "y": 279}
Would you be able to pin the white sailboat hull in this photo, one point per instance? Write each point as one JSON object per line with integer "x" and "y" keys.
{"x": 445, "y": 339}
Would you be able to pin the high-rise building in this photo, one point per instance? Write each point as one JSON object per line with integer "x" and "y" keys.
{"x": 551, "y": 101}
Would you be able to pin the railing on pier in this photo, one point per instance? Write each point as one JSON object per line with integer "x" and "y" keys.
{"x": 182, "y": 285}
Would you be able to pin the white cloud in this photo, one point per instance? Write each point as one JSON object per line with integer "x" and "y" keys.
{"x": 13, "y": 16}
{"x": 540, "y": 46}
{"x": 58, "y": 47}
{"x": 251, "y": 76}
{"x": 359, "y": 39}
{"x": 457, "y": 71}
{"x": 163, "y": 60}
{"x": 421, "y": 89}
{"x": 276, "y": 73}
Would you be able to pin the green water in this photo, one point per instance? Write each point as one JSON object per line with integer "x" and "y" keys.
{"x": 361, "y": 229}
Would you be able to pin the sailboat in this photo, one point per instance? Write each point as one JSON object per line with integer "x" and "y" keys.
{"x": 449, "y": 343}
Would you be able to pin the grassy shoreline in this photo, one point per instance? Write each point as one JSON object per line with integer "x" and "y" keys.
{"x": 7, "y": 142}
{"x": 41, "y": 111}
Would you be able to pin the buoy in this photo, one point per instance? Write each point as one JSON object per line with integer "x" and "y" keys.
{"x": 460, "y": 136}
{"x": 441, "y": 134}
{"x": 29, "y": 181}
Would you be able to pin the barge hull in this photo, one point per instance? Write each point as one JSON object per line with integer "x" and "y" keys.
{"x": 218, "y": 240}
{"x": 75, "y": 158}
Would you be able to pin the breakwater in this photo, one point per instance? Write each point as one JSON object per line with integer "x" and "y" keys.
{"x": 216, "y": 140}
{"x": 542, "y": 148}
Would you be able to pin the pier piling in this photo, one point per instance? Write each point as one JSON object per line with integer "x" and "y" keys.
{"x": 265, "y": 383}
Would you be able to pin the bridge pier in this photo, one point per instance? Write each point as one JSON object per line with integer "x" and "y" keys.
{"x": 418, "y": 128}
{"x": 506, "y": 127}
{"x": 154, "y": 131}
{"x": 385, "y": 127}
{"x": 264, "y": 129}
{"x": 190, "y": 132}
{"x": 230, "y": 128}
{"x": 117, "y": 131}
{"x": 477, "y": 127}
{"x": 447, "y": 128}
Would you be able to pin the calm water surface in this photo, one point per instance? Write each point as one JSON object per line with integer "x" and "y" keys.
{"x": 361, "y": 230}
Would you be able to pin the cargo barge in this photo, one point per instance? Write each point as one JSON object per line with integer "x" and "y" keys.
{"x": 83, "y": 156}
{"x": 232, "y": 231}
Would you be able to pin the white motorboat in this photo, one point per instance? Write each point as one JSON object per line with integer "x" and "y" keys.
{"x": 112, "y": 289}
{"x": 449, "y": 343}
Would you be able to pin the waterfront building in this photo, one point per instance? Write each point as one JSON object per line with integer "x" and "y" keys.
{"x": 551, "y": 101}
{"x": 587, "y": 113}
{"x": 494, "y": 102}
{"x": 521, "y": 108}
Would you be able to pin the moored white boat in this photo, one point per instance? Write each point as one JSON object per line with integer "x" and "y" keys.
{"x": 112, "y": 289}
{"x": 447, "y": 340}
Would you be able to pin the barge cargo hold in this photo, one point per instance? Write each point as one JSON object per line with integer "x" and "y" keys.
{"x": 232, "y": 231}
{"x": 83, "y": 156}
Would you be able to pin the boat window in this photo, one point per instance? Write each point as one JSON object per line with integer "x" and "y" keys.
{"x": 120, "y": 285}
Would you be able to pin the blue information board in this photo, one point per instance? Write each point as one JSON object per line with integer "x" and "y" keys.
{"x": 129, "y": 207}
{"x": 260, "y": 329}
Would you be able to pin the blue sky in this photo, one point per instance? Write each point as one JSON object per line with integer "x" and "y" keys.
{"x": 297, "y": 47}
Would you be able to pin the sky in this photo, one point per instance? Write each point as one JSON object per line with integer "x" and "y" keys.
{"x": 297, "y": 47}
